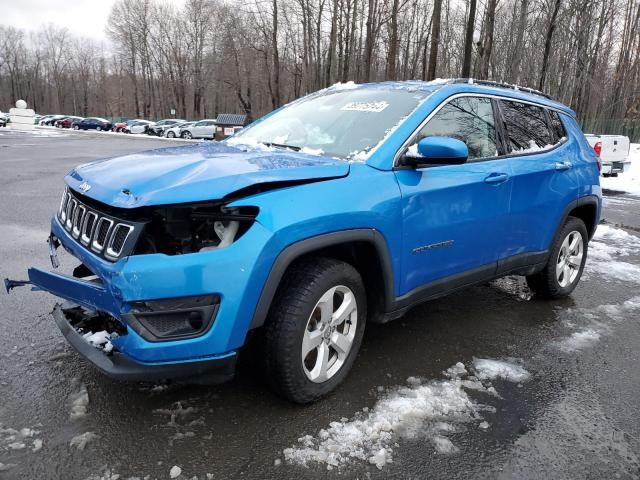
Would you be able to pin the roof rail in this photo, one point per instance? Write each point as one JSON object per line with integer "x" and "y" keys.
{"x": 490, "y": 83}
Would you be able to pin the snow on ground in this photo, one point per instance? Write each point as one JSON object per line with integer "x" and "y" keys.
{"x": 23, "y": 439}
{"x": 592, "y": 324}
{"x": 604, "y": 261}
{"x": 433, "y": 409}
{"x": 79, "y": 403}
{"x": 628, "y": 181}
{"x": 607, "y": 248}
{"x": 81, "y": 441}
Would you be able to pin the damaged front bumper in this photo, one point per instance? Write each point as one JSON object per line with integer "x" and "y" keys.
{"x": 142, "y": 289}
{"x": 117, "y": 365}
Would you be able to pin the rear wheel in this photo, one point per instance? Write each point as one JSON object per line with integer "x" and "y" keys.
{"x": 171, "y": 134}
{"x": 98, "y": 128}
{"x": 314, "y": 329}
{"x": 187, "y": 135}
{"x": 567, "y": 258}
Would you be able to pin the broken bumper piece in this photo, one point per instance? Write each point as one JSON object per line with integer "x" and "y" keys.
{"x": 71, "y": 319}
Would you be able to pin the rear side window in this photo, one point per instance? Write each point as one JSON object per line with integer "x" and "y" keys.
{"x": 557, "y": 125}
{"x": 526, "y": 125}
{"x": 469, "y": 119}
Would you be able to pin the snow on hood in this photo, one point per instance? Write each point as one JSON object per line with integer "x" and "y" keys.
{"x": 200, "y": 172}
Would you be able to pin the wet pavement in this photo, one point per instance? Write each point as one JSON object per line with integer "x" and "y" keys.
{"x": 576, "y": 416}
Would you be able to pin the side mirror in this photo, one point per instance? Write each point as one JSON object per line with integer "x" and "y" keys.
{"x": 436, "y": 151}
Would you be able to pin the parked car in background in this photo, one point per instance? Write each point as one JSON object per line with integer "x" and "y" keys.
{"x": 67, "y": 122}
{"x": 4, "y": 118}
{"x": 118, "y": 126}
{"x": 176, "y": 130}
{"x": 401, "y": 192}
{"x": 37, "y": 118}
{"x": 613, "y": 151}
{"x": 49, "y": 120}
{"x": 202, "y": 129}
{"x": 137, "y": 126}
{"x": 93, "y": 123}
{"x": 161, "y": 126}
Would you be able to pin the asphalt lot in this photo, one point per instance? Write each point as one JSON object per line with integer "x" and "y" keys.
{"x": 575, "y": 416}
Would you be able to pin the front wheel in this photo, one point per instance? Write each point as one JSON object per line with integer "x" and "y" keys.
{"x": 171, "y": 134}
{"x": 567, "y": 258}
{"x": 98, "y": 129}
{"x": 314, "y": 329}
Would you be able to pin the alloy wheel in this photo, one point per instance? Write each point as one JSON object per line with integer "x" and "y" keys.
{"x": 569, "y": 259}
{"x": 329, "y": 334}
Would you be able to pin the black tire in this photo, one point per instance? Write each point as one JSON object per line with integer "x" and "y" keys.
{"x": 546, "y": 283}
{"x": 281, "y": 346}
{"x": 187, "y": 135}
{"x": 98, "y": 128}
{"x": 171, "y": 134}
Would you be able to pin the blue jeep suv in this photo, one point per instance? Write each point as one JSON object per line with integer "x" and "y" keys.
{"x": 350, "y": 205}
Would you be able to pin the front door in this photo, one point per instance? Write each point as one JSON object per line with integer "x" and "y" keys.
{"x": 455, "y": 217}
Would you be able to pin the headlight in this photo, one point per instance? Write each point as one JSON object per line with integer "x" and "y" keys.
{"x": 178, "y": 229}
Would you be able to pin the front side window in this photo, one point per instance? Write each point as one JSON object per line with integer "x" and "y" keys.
{"x": 343, "y": 123}
{"x": 527, "y": 127}
{"x": 469, "y": 119}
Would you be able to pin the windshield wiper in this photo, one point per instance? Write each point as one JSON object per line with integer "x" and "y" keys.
{"x": 282, "y": 145}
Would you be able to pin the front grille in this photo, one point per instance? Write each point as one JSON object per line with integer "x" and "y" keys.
{"x": 103, "y": 234}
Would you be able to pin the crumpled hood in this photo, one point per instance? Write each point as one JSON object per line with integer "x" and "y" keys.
{"x": 200, "y": 172}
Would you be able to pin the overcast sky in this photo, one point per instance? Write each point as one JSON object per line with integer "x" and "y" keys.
{"x": 82, "y": 17}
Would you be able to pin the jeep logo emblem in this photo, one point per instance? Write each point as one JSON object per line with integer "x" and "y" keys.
{"x": 84, "y": 187}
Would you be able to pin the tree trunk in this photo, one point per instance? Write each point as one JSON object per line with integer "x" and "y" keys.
{"x": 547, "y": 44}
{"x": 435, "y": 40}
{"x": 468, "y": 40}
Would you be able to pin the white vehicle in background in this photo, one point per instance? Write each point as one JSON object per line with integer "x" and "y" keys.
{"x": 137, "y": 126}
{"x": 202, "y": 129}
{"x": 174, "y": 132}
{"x": 613, "y": 151}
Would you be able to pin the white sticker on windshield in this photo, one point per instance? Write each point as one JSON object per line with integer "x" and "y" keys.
{"x": 375, "y": 107}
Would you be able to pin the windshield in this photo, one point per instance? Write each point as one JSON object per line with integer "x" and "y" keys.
{"x": 336, "y": 123}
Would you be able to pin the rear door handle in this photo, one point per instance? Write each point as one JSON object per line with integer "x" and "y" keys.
{"x": 563, "y": 166}
{"x": 497, "y": 178}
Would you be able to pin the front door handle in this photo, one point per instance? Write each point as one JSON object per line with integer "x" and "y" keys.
{"x": 497, "y": 178}
{"x": 560, "y": 166}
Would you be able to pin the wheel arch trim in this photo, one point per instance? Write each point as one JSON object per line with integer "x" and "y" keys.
{"x": 587, "y": 200}
{"x": 316, "y": 243}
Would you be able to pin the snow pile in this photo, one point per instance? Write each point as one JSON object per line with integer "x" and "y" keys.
{"x": 487, "y": 369}
{"x": 429, "y": 409}
{"x": 628, "y": 181}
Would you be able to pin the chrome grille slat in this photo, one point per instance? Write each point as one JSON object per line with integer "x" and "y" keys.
{"x": 78, "y": 217}
{"x": 71, "y": 207}
{"x": 104, "y": 235}
{"x": 88, "y": 227}
{"x": 101, "y": 234}
{"x": 118, "y": 238}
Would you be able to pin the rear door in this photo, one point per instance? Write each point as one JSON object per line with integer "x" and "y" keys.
{"x": 542, "y": 157}
{"x": 455, "y": 217}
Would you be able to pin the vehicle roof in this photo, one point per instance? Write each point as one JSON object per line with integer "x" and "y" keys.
{"x": 452, "y": 86}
